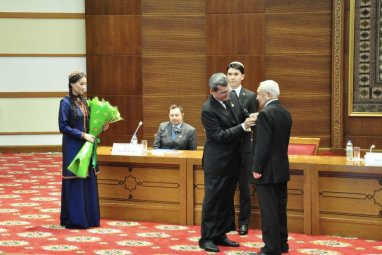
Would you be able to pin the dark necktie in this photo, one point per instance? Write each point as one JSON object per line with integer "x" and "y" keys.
{"x": 234, "y": 91}
{"x": 228, "y": 107}
{"x": 225, "y": 104}
{"x": 175, "y": 130}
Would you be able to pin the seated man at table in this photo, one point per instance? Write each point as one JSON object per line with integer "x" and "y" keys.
{"x": 175, "y": 134}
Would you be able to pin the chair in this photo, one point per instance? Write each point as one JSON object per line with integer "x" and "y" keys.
{"x": 303, "y": 146}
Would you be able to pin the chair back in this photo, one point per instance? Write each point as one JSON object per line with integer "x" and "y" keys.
{"x": 303, "y": 146}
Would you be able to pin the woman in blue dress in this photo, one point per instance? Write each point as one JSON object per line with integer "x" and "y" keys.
{"x": 79, "y": 196}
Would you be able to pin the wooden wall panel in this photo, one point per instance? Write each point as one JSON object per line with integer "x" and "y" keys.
{"x": 299, "y": 33}
{"x": 173, "y": 35}
{"x": 364, "y": 132}
{"x": 310, "y": 116}
{"x": 289, "y": 41}
{"x": 173, "y": 7}
{"x": 173, "y": 67}
{"x": 179, "y": 75}
{"x": 112, "y": 34}
{"x": 306, "y": 6}
{"x": 239, "y": 34}
{"x": 235, "y": 6}
{"x": 300, "y": 73}
{"x": 112, "y": 7}
{"x": 305, "y": 90}
{"x": 115, "y": 74}
{"x": 298, "y": 57}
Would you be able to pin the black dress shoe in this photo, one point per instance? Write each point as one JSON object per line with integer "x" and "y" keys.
{"x": 209, "y": 246}
{"x": 226, "y": 242}
{"x": 243, "y": 230}
{"x": 284, "y": 248}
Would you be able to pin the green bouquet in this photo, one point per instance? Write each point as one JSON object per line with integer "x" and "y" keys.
{"x": 101, "y": 114}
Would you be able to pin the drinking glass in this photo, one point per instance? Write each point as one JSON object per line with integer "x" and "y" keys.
{"x": 144, "y": 143}
{"x": 357, "y": 153}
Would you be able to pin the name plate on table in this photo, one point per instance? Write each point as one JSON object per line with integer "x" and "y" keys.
{"x": 127, "y": 149}
{"x": 373, "y": 159}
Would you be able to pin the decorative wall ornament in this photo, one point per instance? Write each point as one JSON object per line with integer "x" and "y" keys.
{"x": 379, "y": 48}
{"x": 365, "y": 49}
{"x": 337, "y": 73}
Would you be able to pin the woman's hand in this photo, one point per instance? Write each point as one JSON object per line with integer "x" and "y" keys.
{"x": 89, "y": 137}
{"x": 106, "y": 126}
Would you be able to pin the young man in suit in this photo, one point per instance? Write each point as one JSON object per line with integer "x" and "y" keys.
{"x": 225, "y": 121}
{"x": 247, "y": 98}
{"x": 175, "y": 134}
{"x": 270, "y": 167}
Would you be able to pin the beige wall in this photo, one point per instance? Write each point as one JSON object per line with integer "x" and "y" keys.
{"x": 42, "y": 41}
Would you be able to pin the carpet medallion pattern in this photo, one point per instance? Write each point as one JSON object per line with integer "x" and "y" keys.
{"x": 30, "y": 187}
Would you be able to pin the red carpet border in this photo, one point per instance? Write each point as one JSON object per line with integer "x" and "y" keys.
{"x": 30, "y": 185}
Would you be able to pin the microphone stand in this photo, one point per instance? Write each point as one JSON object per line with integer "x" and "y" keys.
{"x": 134, "y": 138}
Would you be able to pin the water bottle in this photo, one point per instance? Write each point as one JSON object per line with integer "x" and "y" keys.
{"x": 349, "y": 151}
{"x": 134, "y": 139}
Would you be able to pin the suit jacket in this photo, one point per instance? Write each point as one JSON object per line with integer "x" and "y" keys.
{"x": 273, "y": 129}
{"x": 221, "y": 155}
{"x": 185, "y": 138}
{"x": 248, "y": 100}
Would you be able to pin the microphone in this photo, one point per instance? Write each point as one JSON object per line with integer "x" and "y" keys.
{"x": 134, "y": 139}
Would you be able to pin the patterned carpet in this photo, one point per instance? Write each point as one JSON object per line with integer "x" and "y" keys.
{"x": 29, "y": 216}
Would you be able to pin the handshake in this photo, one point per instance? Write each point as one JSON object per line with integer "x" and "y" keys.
{"x": 250, "y": 121}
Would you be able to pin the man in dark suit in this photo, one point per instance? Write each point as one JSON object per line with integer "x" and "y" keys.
{"x": 270, "y": 167}
{"x": 247, "y": 98}
{"x": 225, "y": 121}
{"x": 175, "y": 134}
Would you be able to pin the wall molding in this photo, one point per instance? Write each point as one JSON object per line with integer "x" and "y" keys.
{"x": 31, "y": 133}
{"x": 32, "y": 94}
{"x": 39, "y": 55}
{"x": 337, "y": 73}
{"x": 42, "y": 15}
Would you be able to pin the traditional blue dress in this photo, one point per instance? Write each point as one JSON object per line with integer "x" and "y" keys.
{"x": 79, "y": 196}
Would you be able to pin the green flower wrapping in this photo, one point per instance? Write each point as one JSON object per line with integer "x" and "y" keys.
{"x": 101, "y": 113}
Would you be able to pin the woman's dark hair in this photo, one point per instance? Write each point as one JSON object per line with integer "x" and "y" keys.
{"x": 73, "y": 78}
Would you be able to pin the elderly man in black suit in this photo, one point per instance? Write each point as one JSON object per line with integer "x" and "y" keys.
{"x": 270, "y": 167}
{"x": 247, "y": 98}
{"x": 225, "y": 121}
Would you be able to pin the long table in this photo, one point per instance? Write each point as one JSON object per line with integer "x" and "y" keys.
{"x": 327, "y": 195}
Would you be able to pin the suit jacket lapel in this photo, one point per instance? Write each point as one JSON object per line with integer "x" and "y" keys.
{"x": 182, "y": 132}
{"x": 169, "y": 131}
{"x": 220, "y": 108}
{"x": 233, "y": 110}
{"x": 243, "y": 95}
